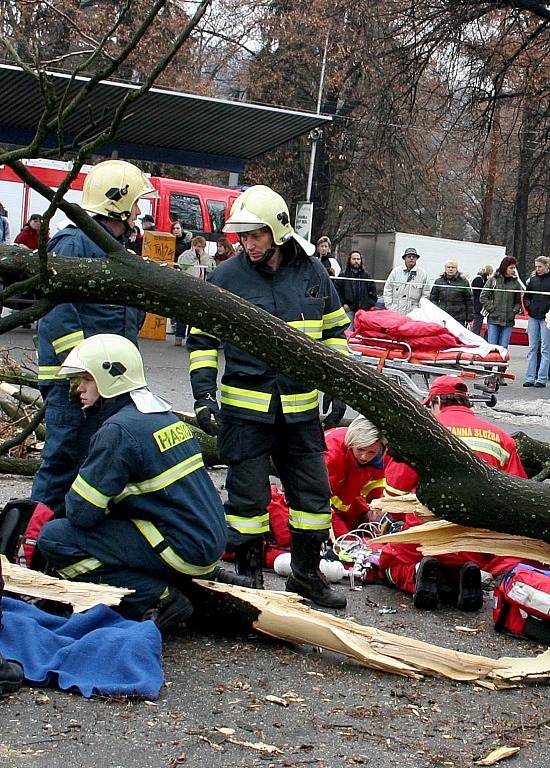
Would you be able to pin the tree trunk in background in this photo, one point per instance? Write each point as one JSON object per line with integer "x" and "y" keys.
{"x": 487, "y": 216}
{"x": 522, "y": 188}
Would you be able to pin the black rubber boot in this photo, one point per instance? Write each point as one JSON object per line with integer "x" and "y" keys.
{"x": 249, "y": 561}
{"x": 306, "y": 579}
{"x": 11, "y": 676}
{"x": 172, "y": 610}
{"x": 426, "y": 593}
{"x": 222, "y": 576}
{"x": 470, "y": 594}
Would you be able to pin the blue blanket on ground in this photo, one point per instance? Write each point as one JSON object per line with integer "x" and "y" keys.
{"x": 96, "y": 652}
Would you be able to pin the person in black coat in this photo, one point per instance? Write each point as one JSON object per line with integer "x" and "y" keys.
{"x": 358, "y": 291}
{"x": 478, "y": 283}
{"x": 452, "y": 293}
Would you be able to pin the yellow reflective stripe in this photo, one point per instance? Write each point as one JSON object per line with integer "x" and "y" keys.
{"x": 312, "y": 328}
{"x": 337, "y": 502}
{"x": 370, "y": 486}
{"x": 63, "y": 343}
{"x": 89, "y": 493}
{"x": 390, "y": 491}
{"x": 166, "y": 478}
{"x": 258, "y": 524}
{"x": 299, "y": 403}
{"x": 335, "y": 319}
{"x": 198, "y": 332}
{"x": 168, "y": 554}
{"x": 47, "y": 372}
{"x": 486, "y": 446}
{"x": 245, "y": 398}
{"x": 80, "y": 568}
{"x": 203, "y": 358}
{"x": 341, "y": 345}
{"x": 308, "y": 521}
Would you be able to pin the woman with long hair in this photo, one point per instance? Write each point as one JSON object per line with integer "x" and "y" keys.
{"x": 501, "y": 301}
{"x": 224, "y": 250}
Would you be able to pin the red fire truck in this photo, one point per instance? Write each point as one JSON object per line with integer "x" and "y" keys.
{"x": 200, "y": 208}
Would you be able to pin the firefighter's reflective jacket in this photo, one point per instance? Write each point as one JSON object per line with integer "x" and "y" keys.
{"x": 148, "y": 468}
{"x": 68, "y": 324}
{"x": 300, "y": 293}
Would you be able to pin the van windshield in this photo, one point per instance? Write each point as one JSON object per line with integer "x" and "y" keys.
{"x": 187, "y": 210}
{"x": 217, "y": 214}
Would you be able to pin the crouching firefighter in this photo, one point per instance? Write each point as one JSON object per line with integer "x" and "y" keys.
{"x": 266, "y": 414}
{"x": 142, "y": 512}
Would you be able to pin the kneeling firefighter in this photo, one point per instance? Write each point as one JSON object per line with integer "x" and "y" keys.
{"x": 266, "y": 415}
{"x": 142, "y": 512}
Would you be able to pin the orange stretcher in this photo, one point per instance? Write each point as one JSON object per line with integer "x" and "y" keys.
{"x": 399, "y": 361}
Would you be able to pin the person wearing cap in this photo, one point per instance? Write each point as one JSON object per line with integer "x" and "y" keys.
{"x": 355, "y": 464}
{"x": 265, "y": 414}
{"x": 111, "y": 193}
{"x": 454, "y": 576}
{"x": 452, "y": 293}
{"x": 148, "y": 223}
{"x": 406, "y": 285}
{"x": 142, "y": 512}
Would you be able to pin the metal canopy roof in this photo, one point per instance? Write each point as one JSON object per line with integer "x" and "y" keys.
{"x": 163, "y": 126}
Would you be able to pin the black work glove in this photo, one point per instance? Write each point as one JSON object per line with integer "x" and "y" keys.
{"x": 207, "y": 412}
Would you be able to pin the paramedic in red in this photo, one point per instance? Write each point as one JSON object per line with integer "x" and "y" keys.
{"x": 453, "y": 575}
{"x": 355, "y": 464}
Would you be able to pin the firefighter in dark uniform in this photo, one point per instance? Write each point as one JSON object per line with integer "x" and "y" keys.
{"x": 111, "y": 193}
{"x": 266, "y": 414}
{"x": 142, "y": 512}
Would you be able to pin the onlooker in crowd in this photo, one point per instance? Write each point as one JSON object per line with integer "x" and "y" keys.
{"x": 452, "y": 293}
{"x": 195, "y": 261}
{"x": 148, "y": 223}
{"x": 111, "y": 193}
{"x": 4, "y": 225}
{"x": 454, "y": 576}
{"x": 142, "y": 512}
{"x": 30, "y": 233}
{"x": 134, "y": 240}
{"x": 323, "y": 253}
{"x": 478, "y": 283}
{"x": 537, "y": 305}
{"x": 406, "y": 285}
{"x": 183, "y": 238}
{"x": 358, "y": 291}
{"x": 224, "y": 250}
{"x": 265, "y": 414}
{"x": 501, "y": 300}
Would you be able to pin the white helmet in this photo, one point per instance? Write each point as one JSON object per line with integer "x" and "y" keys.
{"x": 111, "y": 188}
{"x": 259, "y": 206}
{"x": 113, "y": 361}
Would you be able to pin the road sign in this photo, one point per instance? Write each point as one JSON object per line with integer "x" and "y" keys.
{"x": 304, "y": 219}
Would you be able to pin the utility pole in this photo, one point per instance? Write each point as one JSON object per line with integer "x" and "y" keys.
{"x": 316, "y": 133}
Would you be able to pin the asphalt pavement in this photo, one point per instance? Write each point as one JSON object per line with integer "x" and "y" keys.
{"x": 337, "y": 713}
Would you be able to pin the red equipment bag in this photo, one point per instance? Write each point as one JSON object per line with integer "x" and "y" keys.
{"x": 21, "y": 521}
{"x": 522, "y": 603}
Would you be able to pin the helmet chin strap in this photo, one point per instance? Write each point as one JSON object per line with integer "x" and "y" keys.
{"x": 265, "y": 258}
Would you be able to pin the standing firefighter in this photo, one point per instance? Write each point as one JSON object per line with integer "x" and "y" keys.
{"x": 266, "y": 414}
{"x": 111, "y": 193}
{"x": 142, "y": 512}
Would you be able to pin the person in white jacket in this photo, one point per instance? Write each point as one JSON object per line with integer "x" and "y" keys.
{"x": 406, "y": 285}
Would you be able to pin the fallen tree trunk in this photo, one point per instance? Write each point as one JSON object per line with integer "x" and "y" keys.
{"x": 454, "y": 484}
{"x": 534, "y": 454}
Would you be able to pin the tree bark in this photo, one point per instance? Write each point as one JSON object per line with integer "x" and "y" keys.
{"x": 490, "y": 181}
{"x": 454, "y": 483}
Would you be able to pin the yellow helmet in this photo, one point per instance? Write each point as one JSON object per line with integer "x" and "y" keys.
{"x": 111, "y": 188}
{"x": 259, "y": 206}
{"x": 113, "y": 361}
